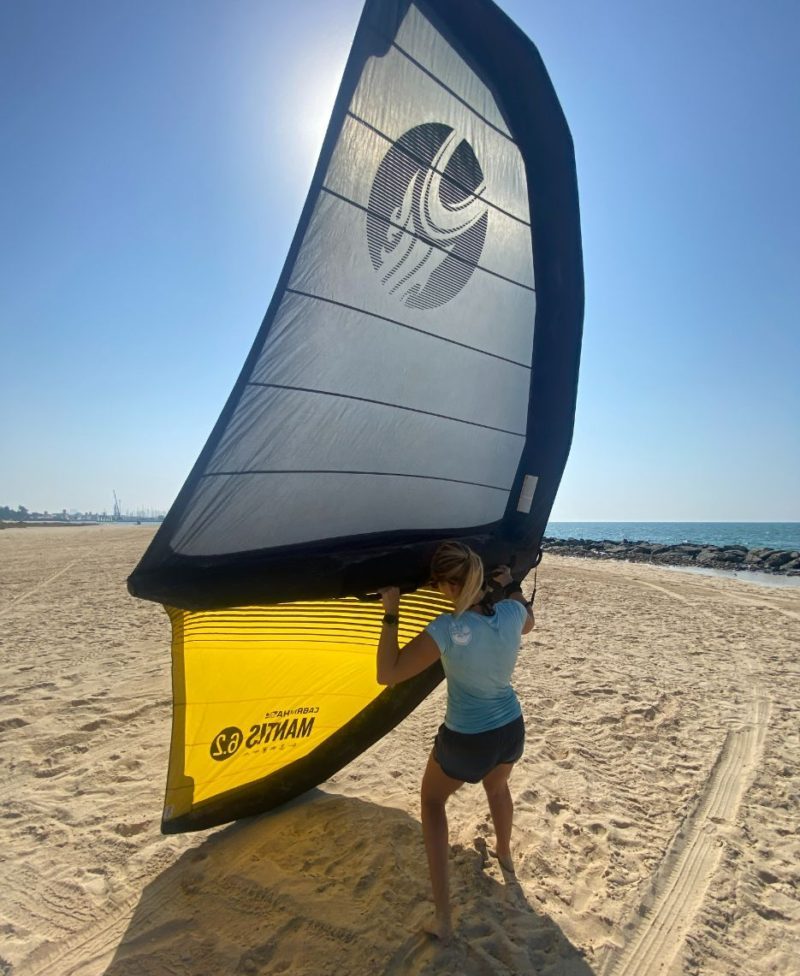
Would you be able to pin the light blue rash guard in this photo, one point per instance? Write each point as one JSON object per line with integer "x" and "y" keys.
{"x": 478, "y": 656}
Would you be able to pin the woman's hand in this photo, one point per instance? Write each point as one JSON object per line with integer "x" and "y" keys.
{"x": 390, "y": 597}
{"x": 501, "y": 575}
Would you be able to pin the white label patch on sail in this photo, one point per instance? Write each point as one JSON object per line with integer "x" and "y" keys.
{"x": 527, "y": 493}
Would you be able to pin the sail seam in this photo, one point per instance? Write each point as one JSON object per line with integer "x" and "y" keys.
{"x": 384, "y": 403}
{"x": 447, "y": 88}
{"x": 379, "y": 474}
{"x": 417, "y": 159}
{"x": 454, "y": 93}
{"x": 429, "y": 243}
{"x": 404, "y": 325}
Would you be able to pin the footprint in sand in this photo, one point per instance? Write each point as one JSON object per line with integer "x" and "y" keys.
{"x": 12, "y": 723}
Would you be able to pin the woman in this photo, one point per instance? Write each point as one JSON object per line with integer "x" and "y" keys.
{"x": 483, "y": 733}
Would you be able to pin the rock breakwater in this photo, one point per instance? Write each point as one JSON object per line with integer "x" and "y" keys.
{"x": 781, "y": 561}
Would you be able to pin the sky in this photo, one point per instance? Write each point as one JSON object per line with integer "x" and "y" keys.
{"x": 154, "y": 160}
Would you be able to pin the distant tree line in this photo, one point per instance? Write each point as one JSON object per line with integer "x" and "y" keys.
{"x": 11, "y": 515}
{"x": 22, "y": 514}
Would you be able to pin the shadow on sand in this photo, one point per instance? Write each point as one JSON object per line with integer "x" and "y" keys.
{"x": 333, "y": 885}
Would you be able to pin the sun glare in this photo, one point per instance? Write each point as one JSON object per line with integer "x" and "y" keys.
{"x": 314, "y": 85}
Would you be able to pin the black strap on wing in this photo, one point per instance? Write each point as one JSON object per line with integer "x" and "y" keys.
{"x": 535, "y": 568}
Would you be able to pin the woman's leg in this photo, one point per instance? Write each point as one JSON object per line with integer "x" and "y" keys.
{"x": 501, "y": 807}
{"x": 436, "y": 788}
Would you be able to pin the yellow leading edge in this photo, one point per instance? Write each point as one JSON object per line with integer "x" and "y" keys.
{"x": 258, "y": 688}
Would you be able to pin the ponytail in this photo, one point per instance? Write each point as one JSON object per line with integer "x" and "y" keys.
{"x": 456, "y": 563}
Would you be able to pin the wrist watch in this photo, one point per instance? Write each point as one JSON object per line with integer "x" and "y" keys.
{"x": 391, "y": 618}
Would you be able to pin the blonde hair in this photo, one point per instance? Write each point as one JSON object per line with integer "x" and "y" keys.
{"x": 456, "y": 563}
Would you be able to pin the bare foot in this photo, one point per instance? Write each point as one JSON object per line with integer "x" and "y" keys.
{"x": 441, "y": 930}
{"x": 506, "y": 862}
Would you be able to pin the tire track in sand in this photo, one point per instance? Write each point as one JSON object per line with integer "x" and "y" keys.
{"x": 760, "y": 603}
{"x": 678, "y": 887}
{"x": 24, "y": 596}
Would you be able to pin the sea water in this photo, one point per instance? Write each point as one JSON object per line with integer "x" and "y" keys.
{"x": 754, "y": 535}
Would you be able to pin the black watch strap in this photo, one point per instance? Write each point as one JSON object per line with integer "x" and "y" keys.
{"x": 391, "y": 618}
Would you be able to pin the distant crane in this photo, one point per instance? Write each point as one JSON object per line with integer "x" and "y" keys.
{"x": 117, "y": 516}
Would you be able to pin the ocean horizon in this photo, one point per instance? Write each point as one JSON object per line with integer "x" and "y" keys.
{"x": 754, "y": 535}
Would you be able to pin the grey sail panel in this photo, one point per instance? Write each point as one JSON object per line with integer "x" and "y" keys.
{"x": 336, "y": 439}
{"x": 470, "y": 316}
{"x": 335, "y": 443}
{"x": 400, "y": 227}
{"x": 300, "y": 506}
{"x": 446, "y": 374}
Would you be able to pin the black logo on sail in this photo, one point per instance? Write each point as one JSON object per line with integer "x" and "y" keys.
{"x": 426, "y": 225}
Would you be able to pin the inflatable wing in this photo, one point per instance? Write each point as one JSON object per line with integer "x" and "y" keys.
{"x": 414, "y": 380}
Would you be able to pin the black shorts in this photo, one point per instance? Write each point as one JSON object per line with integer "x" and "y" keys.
{"x": 471, "y": 756}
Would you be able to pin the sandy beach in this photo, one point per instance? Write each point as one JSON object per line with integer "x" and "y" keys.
{"x": 657, "y": 824}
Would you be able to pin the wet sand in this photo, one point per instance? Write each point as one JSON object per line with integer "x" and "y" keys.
{"x": 657, "y": 826}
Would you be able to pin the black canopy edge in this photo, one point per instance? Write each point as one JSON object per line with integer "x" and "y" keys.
{"x": 333, "y": 569}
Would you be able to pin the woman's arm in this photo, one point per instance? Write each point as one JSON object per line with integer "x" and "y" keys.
{"x": 503, "y": 576}
{"x": 530, "y": 623}
{"x": 418, "y": 654}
